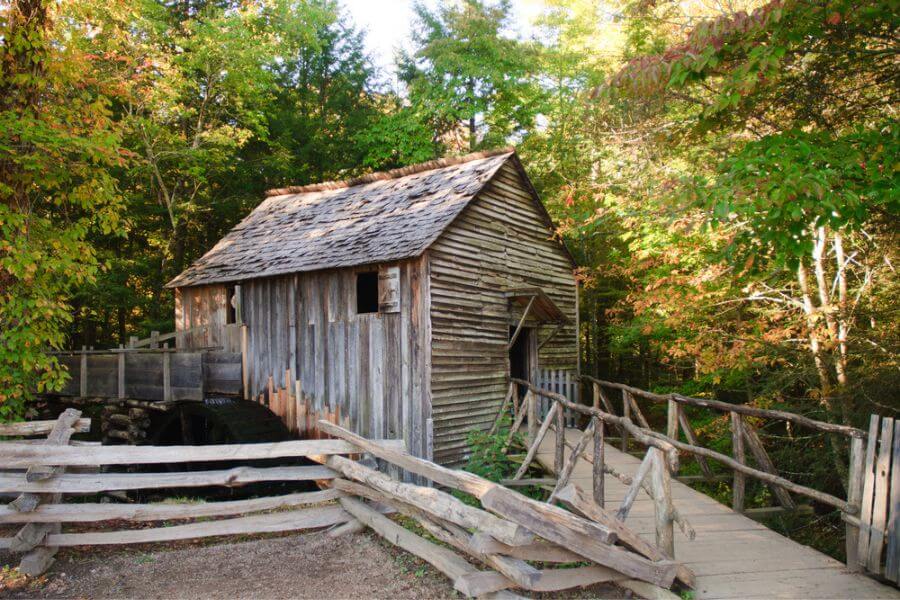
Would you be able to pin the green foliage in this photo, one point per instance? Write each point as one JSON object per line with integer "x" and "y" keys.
{"x": 58, "y": 145}
{"x": 784, "y": 186}
{"x": 468, "y": 72}
{"x": 488, "y": 459}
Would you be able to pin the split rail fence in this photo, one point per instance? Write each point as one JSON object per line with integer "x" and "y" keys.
{"x": 871, "y": 510}
{"x": 483, "y": 549}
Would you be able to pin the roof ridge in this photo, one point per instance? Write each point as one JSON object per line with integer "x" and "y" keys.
{"x": 430, "y": 165}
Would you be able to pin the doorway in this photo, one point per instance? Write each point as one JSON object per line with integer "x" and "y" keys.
{"x": 523, "y": 354}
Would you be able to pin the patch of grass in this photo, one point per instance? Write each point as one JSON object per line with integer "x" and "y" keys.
{"x": 488, "y": 460}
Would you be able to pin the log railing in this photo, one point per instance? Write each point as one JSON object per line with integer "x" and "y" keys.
{"x": 745, "y": 440}
{"x": 500, "y": 533}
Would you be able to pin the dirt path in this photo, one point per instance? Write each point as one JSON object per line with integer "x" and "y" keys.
{"x": 295, "y": 566}
{"x": 301, "y": 566}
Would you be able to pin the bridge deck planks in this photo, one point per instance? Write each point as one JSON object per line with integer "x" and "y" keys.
{"x": 732, "y": 556}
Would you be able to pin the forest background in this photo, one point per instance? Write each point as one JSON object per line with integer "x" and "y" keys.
{"x": 725, "y": 173}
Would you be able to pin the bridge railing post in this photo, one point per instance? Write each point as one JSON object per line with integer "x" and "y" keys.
{"x": 664, "y": 511}
{"x": 737, "y": 447}
{"x": 854, "y": 498}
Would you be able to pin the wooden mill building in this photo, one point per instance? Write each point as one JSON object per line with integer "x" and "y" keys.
{"x": 396, "y": 299}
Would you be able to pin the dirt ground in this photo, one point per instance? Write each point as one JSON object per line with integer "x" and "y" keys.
{"x": 296, "y": 566}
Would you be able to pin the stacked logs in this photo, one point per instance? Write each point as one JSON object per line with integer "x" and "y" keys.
{"x": 506, "y": 532}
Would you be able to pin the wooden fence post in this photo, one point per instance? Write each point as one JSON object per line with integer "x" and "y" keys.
{"x": 154, "y": 339}
{"x": 737, "y": 446}
{"x": 559, "y": 456}
{"x": 598, "y": 461}
{"x": 167, "y": 373}
{"x": 672, "y": 420}
{"x": 626, "y": 412}
{"x": 532, "y": 409}
{"x": 245, "y": 361}
{"x": 121, "y": 369}
{"x": 661, "y": 484}
{"x": 82, "y": 384}
{"x": 854, "y": 497}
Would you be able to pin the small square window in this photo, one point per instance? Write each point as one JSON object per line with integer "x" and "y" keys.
{"x": 230, "y": 303}
{"x": 367, "y": 292}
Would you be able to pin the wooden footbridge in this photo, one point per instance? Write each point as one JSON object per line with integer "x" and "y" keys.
{"x": 611, "y": 517}
{"x": 729, "y": 554}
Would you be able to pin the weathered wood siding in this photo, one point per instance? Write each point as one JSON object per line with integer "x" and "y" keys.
{"x": 500, "y": 241}
{"x": 202, "y": 306}
{"x": 369, "y": 370}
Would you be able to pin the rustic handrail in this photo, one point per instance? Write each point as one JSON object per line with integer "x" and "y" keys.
{"x": 638, "y": 432}
{"x": 737, "y": 408}
{"x": 667, "y": 444}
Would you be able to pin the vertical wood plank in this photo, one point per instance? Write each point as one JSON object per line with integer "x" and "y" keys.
{"x": 880, "y": 503}
{"x": 672, "y": 420}
{"x": 167, "y": 373}
{"x": 82, "y": 384}
{"x": 865, "y": 514}
{"x": 245, "y": 373}
{"x": 120, "y": 358}
{"x": 559, "y": 455}
{"x": 854, "y": 497}
{"x": 892, "y": 562}
{"x": 533, "y": 412}
{"x": 737, "y": 447}
{"x": 599, "y": 461}
{"x": 661, "y": 484}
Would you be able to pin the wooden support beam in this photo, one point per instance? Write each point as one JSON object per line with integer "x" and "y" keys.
{"x": 636, "y": 483}
{"x": 516, "y": 570}
{"x": 573, "y": 497}
{"x": 517, "y": 423}
{"x": 499, "y": 416}
{"x": 855, "y": 476}
{"x": 636, "y": 411}
{"x": 32, "y": 428}
{"x": 537, "y": 551}
{"x": 92, "y": 484}
{"x": 868, "y": 495}
{"x": 566, "y": 472}
{"x": 167, "y": 374}
{"x": 598, "y": 463}
{"x": 83, "y": 373}
{"x": 559, "y": 440}
{"x": 536, "y": 442}
{"x": 531, "y": 403}
{"x": 554, "y": 524}
{"x": 22, "y": 455}
{"x": 880, "y": 502}
{"x": 892, "y": 560}
{"x": 93, "y": 512}
{"x": 753, "y": 441}
{"x": 308, "y": 518}
{"x": 120, "y": 377}
{"x": 691, "y": 437}
{"x": 521, "y": 324}
{"x": 660, "y": 481}
{"x": 737, "y": 449}
{"x": 672, "y": 419}
{"x": 433, "y": 502}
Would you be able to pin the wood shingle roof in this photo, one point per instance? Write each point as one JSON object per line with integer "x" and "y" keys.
{"x": 378, "y": 218}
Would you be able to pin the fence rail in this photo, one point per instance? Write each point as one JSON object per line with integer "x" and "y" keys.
{"x": 500, "y": 533}
{"x": 872, "y": 482}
